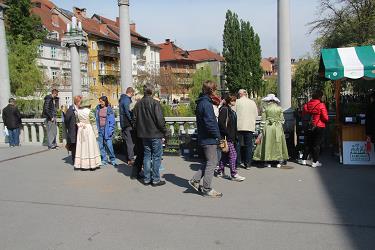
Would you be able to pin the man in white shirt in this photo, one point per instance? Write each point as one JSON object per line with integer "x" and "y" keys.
{"x": 247, "y": 113}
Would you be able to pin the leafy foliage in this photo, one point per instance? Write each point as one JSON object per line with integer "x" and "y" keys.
{"x": 242, "y": 52}
{"x": 25, "y": 76}
{"x": 21, "y": 22}
{"x": 345, "y": 23}
{"x": 24, "y": 33}
{"x": 306, "y": 80}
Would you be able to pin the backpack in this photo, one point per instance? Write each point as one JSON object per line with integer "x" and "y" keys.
{"x": 307, "y": 120}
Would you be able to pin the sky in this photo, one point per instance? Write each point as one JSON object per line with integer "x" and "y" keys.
{"x": 197, "y": 24}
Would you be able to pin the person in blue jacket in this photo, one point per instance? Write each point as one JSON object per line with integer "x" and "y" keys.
{"x": 105, "y": 121}
{"x": 208, "y": 138}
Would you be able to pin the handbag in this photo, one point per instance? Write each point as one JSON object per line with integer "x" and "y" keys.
{"x": 223, "y": 145}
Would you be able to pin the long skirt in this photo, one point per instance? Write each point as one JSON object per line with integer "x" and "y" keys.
{"x": 87, "y": 149}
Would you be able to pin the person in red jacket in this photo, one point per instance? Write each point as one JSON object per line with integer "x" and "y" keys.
{"x": 319, "y": 117}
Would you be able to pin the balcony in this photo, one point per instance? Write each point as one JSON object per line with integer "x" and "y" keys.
{"x": 104, "y": 72}
{"x": 182, "y": 71}
{"x": 108, "y": 53}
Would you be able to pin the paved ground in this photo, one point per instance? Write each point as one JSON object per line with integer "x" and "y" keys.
{"x": 44, "y": 204}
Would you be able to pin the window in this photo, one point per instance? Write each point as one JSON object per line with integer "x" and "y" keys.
{"x": 152, "y": 56}
{"x": 53, "y": 52}
{"x": 93, "y": 65}
{"x": 93, "y": 45}
{"x": 41, "y": 50}
{"x": 54, "y": 74}
{"x": 94, "y": 80}
{"x": 113, "y": 67}
{"x": 65, "y": 53}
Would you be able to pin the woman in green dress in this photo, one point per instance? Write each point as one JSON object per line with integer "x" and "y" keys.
{"x": 271, "y": 145}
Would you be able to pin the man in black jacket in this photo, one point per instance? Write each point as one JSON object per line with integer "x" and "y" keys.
{"x": 12, "y": 120}
{"x": 150, "y": 126}
{"x": 70, "y": 121}
{"x": 126, "y": 123}
{"x": 50, "y": 106}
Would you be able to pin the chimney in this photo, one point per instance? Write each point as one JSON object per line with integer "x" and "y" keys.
{"x": 167, "y": 41}
{"x": 79, "y": 13}
{"x": 133, "y": 27}
{"x": 117, "y": 21}
{"x": 55, "y": 19}
{"x": 103, "y": 28}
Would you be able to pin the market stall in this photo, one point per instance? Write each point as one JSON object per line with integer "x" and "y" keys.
{"x": 357, "y": 63}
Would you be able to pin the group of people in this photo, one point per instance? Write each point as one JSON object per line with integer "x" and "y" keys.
{"x": 229, "y": 122}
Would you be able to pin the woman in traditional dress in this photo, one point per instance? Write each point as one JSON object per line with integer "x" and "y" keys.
{"x": 271, "y": 144}
{"x": 87, "y": 150}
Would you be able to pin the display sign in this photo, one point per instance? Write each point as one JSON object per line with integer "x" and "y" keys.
{"x": 356, "y": 153}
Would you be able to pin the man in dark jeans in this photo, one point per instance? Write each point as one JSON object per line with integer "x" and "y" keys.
{"x": 150, "y": 125}
{"x": 126, "y": 123}
{"x": 208, "y": 138}
{"x": 247, "y": 113}
{"x": 50, "y": 106}
{"x": 12, "y": 120}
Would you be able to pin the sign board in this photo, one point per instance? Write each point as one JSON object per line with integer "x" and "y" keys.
{"x": 355, "y": 153}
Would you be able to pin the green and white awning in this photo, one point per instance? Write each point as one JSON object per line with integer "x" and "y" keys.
{"x": 352, "y": 62}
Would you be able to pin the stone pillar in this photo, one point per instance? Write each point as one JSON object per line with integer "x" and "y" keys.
{"x": 4, "y": 66}
{"x": 125, "y": 46}
{"x": 285, "y": 72}
{"x": 76, "y": 71}
{"x": 283, "y": 51}
{"x": 74, "y": 39}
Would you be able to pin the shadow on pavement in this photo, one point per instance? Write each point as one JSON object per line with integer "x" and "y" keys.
{"x": 180, "y": 182}
{"x": 195, "y": 166}
{"x": 351, "y": 190}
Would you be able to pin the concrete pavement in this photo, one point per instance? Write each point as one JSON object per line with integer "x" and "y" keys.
{"x": 45, "y": 204}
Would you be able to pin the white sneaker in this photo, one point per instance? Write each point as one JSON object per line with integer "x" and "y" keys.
{"x": 238, "y": 178}
{"x": 278, "y": 165}
{"x": 302, "y": 162}
{"x": 319, "y": 164}
{"x": 269, "y": 166}
{"x": 315, "y": 164}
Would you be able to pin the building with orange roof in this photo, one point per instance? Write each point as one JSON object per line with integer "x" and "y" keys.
{"x": 54, "y": 59}
{"x": 100, "y": 61}
{"x": 213, "y": 60}
{"x": 177, "y": 66}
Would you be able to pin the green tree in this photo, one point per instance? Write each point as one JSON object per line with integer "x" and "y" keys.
{"x": 242, "y": 53}
{"x": 199, "y": 77}
{"x": 25, "y": 76}
{"x": 232, "y": 52}
{"x": 306, "y": 80}
{"x": 252, "y": 72}
{"x": 24, "y": 35}
{"x": 21, "y": 22}
{"x": 345, "y": 23}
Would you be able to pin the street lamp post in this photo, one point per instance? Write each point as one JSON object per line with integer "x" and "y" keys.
{"x": 4, "y": 66}
{"x": 74, "y": 39}
{"x": 125, "y": 46}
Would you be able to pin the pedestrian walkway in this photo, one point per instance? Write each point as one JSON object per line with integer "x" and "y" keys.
{"x": 45, "y": 204}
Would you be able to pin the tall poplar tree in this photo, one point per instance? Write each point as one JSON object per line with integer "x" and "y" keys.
{"x": 242, "y": 53}
{"x": 232, "y": 51}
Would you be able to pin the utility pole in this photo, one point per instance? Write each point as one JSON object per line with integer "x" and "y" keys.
{"x": 125, "y": 46}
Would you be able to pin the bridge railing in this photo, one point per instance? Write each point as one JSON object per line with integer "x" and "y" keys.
{"x": 33, "y": 131}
